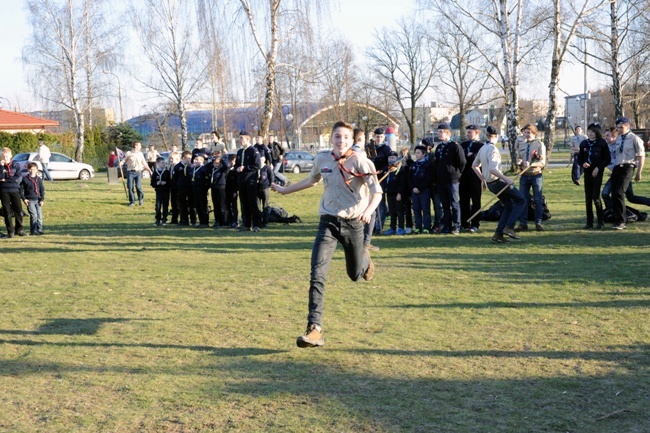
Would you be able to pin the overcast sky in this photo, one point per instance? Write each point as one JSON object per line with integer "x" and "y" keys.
{"x": 357, "y": 19}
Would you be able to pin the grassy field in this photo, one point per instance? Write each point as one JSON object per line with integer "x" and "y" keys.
{"x": 110, "y": 324}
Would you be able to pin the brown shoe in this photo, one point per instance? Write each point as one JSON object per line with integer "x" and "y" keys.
{"x": 313, "y": 337}
{"x": 510, "y": 232}
{"x": 370, "y": 272}
{"x": 539, "y": 227}
{"x": 521, "y": 228}
{"x": 372, "y": 247}
{"x": 499, "y": 239}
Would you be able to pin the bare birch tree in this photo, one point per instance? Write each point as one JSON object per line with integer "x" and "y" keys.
{"x": 563, "y": 28}
{"x": 63, "y": 54}
{"x": 404, "y": 58}
{"x": 166, "y": 30}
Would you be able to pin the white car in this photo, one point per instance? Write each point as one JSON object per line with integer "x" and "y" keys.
{"x": 61, "y": 167}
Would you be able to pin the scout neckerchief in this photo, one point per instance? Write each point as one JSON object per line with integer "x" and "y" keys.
{"x": 160, "y": 173}
{"x": 340, "y": 160}
{"x": 35, "y": 182}
{"x": 442, "y": 150}
{"x": 590, "y": 145}
{"x": 623, "y": 137}
{"x": 194, "y": 172}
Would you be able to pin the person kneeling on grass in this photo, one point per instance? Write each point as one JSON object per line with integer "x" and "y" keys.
{"x": 487, "y": 166}
{"x": 351, "y": 195}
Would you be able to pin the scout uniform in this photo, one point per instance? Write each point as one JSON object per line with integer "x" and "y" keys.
{"x": 534, "y": 153}
{"x": 628, "y": 148}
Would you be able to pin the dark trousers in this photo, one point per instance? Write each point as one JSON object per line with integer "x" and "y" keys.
{"x": 185, "y": 205}
{"x": 331, "y": 231}
{"x": 438, "y": 213}
{"x": 576, "y": 170}
{"x": 592, "y": 195}
{"x": 231, "y": 207}
{"x": 162, "y": 204}
{"x": 422, "y": 209}
{"x": 369, "y": 228}
{"x": 219, "y": 205}
{"x": 470, "y": 202}
{"x": 200, "y": 200}
{"x": 405, "y": 206}
{"x": 395, "y": 210}
{"x": 263, "y": 202}
{"x": 174, "y": 203}
{"x": 250, "y": 212}
{"x": 621, "y": 178}
{"x": 629, "y": 195}
{"x": 450, "y": 205}
{"x": 513, "y": 204}
{"x": 13, "y": 207}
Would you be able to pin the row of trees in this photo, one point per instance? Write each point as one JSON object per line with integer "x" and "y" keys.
{"x": 467, "y": 52}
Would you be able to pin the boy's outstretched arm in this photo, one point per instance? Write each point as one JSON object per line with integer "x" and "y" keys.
{"x": 305, "y": 183}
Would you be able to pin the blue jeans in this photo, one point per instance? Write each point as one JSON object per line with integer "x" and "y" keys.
{"x": 46, "y": 172}
{"x": 422, "y": 209}
{"x": 525, "y": 182}
{"x": 513, "y": 202}
{"x": 276, "y": 171}
{"x": 450, "y": 205}
{"x": 331, "y": 231}
{"x": 134, "y": 176}
{"x": 35, "y": 216}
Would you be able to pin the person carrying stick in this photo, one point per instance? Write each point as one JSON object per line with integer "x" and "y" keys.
{"x": 487, "y": 166}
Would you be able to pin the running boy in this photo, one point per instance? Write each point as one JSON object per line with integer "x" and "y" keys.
{"x": 351, "y": 195}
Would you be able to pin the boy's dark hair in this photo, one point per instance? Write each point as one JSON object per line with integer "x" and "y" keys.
{"x": 613, "y": 131}
{"x": 532, "y": 128}
{"x": 186, "y": 153}
{"x": 421, "y": 148}
{"x": 357, "y": 133}
{"x": 342, "y": 124}
{"x": 217, "y": 134}
{"x": 160, "y": 159}
{"x": 232, "y": 157}
{"x": 32, "y": 164}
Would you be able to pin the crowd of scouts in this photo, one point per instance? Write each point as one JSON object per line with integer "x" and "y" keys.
{"x": 450, "y": 178}
{"x": 191, "y": 177}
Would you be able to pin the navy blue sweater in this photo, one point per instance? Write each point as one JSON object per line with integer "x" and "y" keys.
{"x": 219, "y": 175}
{"x": 448, "y": 162}
{"x": 163, "y": 176}
{"x": 10, "y": 177}
{"x": 31, "y": 188}
{"x": 420, "y": 175}
{"x": 266, "y": 177}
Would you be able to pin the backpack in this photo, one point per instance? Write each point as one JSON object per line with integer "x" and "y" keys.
{"x": 546, "y": 214}
{"x": 276, "y": 214}
{"x": 633, "y": 215}
{"x": 493, "y": 213}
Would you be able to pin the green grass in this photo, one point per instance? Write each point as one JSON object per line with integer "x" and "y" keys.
{"x": 111, "y": 324}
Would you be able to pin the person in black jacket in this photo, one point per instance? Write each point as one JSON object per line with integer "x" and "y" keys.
{"x": 10, "y": 178}
{"x": 200, "y": 185}
{"x": 470, "y": 185}
{"x": 183, "y": 180}
{"x": 593, "y": 157}
{"x": 248, "y": 166}
{"x": 382, "y": 152}
{"x": 392, "y": 190}
{"x": 266, "y": 179}
{"x": 32, "y": 193}
{"x": 174, "y": 160}
{"x": 232, "y": 191}
{"x": 404, "y": 195}
{"x": 218, "y": 178}
{"x": 448, "y": 164}
{"x": 160, "y": 182}
{"x": 420, "y": 177}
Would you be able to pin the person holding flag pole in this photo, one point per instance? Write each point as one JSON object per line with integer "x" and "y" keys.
{"x": 120, "y": 159}
{"x": 487, "y": 166}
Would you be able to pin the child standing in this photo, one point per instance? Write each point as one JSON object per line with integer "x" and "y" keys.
{"x": 266, "y": 179}
{"x": 232, "y": 192}
{"x": 420, "y": 179}
{"x": 32, "y": 193}
{"x": 219, "y": 174}
{"x": 174, "y": 159}
{"x": 160, "y": 181}
{"x": 200, "y": 186}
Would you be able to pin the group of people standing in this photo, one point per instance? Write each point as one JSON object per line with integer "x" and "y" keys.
{"x": 190, "y": 179}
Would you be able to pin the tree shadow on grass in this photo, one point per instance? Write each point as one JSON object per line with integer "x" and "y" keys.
{"x": 636, "y": 303}
{"x": 334, "y": 396}
{"x": 65, "y": 326}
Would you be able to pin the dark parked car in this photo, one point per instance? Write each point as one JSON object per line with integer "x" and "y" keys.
{"x": 297, "y": 161}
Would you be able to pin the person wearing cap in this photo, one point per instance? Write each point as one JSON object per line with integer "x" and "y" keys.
{"x": 629, "y": 154}
{"x": 382, "y": 153}
{"x": 470, "y": 183}
{"x": 350, "y": 196}
{"x": 594, "y": 157}
{"x": 248, "y": 165}
{"x": 576, "y": 140}
{"x": 531, "y": 157}
{"x": 487, "y": 166}
{"x": 630, "y": 197}
{"x": 448, "y": 165}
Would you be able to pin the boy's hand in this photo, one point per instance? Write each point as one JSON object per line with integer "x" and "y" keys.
{"x": 40, "y": 203}
{"x": 366, "y": 217}
{"x": 26, "y": 201}
{"x": 277, "y": 188}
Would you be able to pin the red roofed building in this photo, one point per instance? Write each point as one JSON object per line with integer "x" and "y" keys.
{"x": 13, "y": 122}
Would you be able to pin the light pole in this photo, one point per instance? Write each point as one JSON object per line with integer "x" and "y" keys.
{"x": 119, "y": 93}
